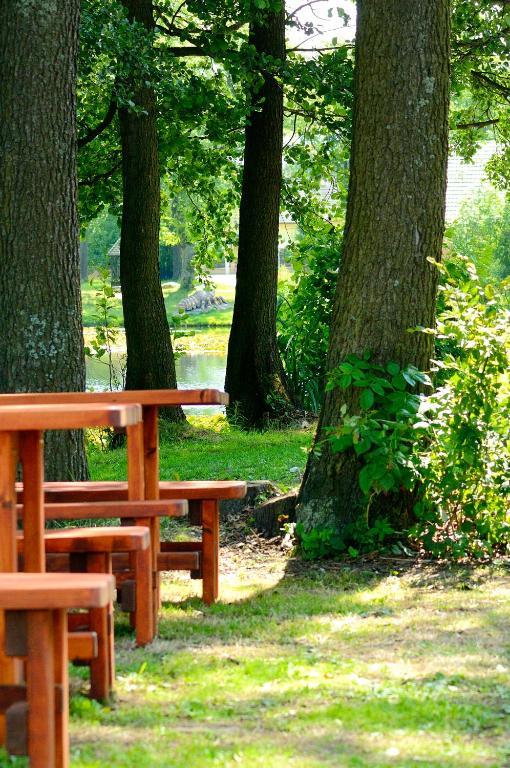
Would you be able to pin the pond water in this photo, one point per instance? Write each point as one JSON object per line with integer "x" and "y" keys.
{"x": 194, "y": 370}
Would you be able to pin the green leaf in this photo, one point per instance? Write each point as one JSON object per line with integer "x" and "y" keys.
{"x": 367, "y": 399}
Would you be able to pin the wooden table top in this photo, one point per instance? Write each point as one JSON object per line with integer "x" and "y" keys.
{"x": 69, "y": 415}
{"x": 32, "y": 591}
{"x": 157, "y": 397}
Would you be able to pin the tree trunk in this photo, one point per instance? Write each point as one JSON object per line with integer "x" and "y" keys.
{"x": 394, "y": 223}
{"x": 255, "y": 378}
{"x": 150, "y": 358}
{"x": 41, "y": 338}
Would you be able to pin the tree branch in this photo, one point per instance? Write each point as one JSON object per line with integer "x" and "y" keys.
{"x": 504, "y": 90}
{"x": 479, "y": 124}
{"x": 91, "y": 180}
{"x": 100, "y": 127}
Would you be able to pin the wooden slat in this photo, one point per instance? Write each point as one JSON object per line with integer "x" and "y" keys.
{"x": 178, "y": 561}
{"x": 108, "y": 490}
{"x": 158, "y": 397}
{"x": 102, "y": 539}
{"x": 30, "y": 591}
{"x": 67, "y": 416}
{"x": 111, "y": 510}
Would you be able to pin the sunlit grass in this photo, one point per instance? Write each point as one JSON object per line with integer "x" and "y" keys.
{"x": 322, "y": 669}
{"x": 209, "y": 449}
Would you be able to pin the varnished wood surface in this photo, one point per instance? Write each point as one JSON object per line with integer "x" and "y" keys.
{"x": 106, "y": 510}
{"x": 69, "y": 415}
{"x": 158, "y": 397}
{"x": 41, "y": 591}
{"x": 102, "y": 539}
{"x": 110, "y": 491}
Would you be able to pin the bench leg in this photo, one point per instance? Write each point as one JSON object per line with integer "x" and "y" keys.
{"x": 102, "y": 668}
{"x": 62, "y": 685}
{"x": 41, "y": 689}
{"x": 210, "y": 550}
{"x": 145, "y": 629}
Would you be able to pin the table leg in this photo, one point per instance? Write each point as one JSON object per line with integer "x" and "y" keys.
{"x": 102, "y": 668}
{"x": 32, "y": 459}
{"x": 151, "y": 478}
{"x": 41, "y": 689}
{"x": 11, "y": 670}
{"x": 210, "y": 550}
{"x": 61, "y": 680}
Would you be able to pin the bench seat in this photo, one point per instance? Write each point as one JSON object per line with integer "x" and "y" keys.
{"x": 200, "y": 558}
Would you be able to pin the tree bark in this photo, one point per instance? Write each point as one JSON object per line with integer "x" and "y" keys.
{"x": 255, "y": 379}
{"x": 150, "y": 358}
{"x": 394, "y": 222}
{"x": 41, "y": 338}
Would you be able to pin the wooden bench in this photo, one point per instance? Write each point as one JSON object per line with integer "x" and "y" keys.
{"x": 33, "y": 628}
{"x": 200, "y": 558}
{"x": 89, "y": 550}
{"x": 151, "y": 401}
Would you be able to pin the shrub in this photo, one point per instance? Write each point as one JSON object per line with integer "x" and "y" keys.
{"x": 463, "y": 456}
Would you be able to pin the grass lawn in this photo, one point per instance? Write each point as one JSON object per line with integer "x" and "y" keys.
{"x": 377, "y": 664}
{"x": 316, "y": 667}
{"x": 172, "y": 294}
{"x": 211, "y": 450}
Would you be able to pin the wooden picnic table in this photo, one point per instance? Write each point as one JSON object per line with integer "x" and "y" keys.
{"x": 22, "y": 429}
{"x": 151, "y": 401}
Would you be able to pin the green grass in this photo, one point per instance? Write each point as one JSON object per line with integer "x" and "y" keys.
{"x": 172, "y": 294}
{"x": 316, "y": 669}
{"x": 209, "y": 449}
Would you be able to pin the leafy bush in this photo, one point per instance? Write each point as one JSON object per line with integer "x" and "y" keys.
{"x": 354, "y": 539}
{"x": 481, "y": 233}
{"x": 304, "y": 315}
{"x": 448, "y": 451}
{"x": 382, "y": 433}
{"x": 463, "y": 455}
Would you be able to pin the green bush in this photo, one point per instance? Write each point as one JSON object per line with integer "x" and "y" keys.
{"x": 448, "y": 452}
{"x": 463, "y": 455}
{"x": 304, "y": 315}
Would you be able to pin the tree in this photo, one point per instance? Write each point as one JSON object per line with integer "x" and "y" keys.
{"x": 394, "y": 223}
{"x": 150, "y": 359}
{"x": 41, "y": 342}
{"x": 255, "y": 378}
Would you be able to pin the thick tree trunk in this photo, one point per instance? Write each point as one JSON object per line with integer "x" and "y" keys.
{"x": 150, "y": 358}
{"x": 41, "y": 341}
{"x": 255, "y": 378}
{"x": 394, "y": 224}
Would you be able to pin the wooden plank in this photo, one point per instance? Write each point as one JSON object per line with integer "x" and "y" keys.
{"x": 110, "y": 491}
{"x": 32, "y": 459}
{"x": 82, "y": 645}
{"x": 107, "y": 510}
{"x": 178, "y": 561}
{"x": 101, "y": 539}
{"x": 58, "y": 416}
{"x": 159, "y": 397}
{"x": 28, "y": 591}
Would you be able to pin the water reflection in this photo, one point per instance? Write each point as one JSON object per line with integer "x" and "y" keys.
{"x": 194, "y": 371}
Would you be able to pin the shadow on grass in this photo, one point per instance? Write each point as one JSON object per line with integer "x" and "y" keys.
{"x": 322, "y": 669}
